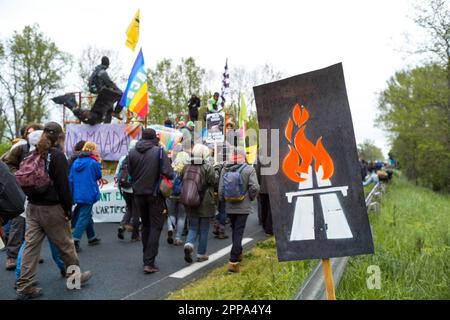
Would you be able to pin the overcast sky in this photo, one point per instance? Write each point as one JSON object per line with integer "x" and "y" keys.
{"x": 368, "y": 37}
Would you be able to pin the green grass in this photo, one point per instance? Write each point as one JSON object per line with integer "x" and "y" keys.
{"x": 261, "y": 277}
{"x": 4, "y": 147}
{"x": 412, "y": 247}
{"x": 412, "y": 243}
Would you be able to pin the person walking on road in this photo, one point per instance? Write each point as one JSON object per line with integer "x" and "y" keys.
{"x": 199, "y": 181}
{"x": 130, "y": 220}
{"x": 177, "y": 214}
{"x": 238, "y": 187}
{"x": 147, "y": 162}
{"x": 84, "y": 174}
{"x": 48, "y": 213}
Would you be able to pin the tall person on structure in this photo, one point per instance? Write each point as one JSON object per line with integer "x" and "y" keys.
{"x": 107, "y": 95}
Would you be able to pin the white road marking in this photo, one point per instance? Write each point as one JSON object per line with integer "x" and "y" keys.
{"x": 198, "y": 265}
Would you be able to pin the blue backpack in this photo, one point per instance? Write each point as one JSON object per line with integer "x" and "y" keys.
{"x": 233, "y": 185}
{"x": 177, "y": 185}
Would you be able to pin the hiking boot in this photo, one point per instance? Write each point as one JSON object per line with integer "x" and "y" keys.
{"x": 11, "y": 264}
{"x": 94, "y": 242}
{"x": 202, "y": 258}
{"x": 216, "y": 229}
{"x": 68, "y": 100}
{"x": 135, "y": 239}
{"x": 222, "y": 236}
{"x": 85, "y": 276}
{"x": 120, "y": 233}
{"x": 77, "y": 246}
{"x": 150, "y": 269}
{"x": 170, "y": 237}
{"x": 233, "y": 267}
{"x": 188, "y": 253}
{"x": 29, "y": 294}
{"x": 177, "y": 242}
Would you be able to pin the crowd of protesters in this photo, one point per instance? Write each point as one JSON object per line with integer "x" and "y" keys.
{"x": 204, "y": 193}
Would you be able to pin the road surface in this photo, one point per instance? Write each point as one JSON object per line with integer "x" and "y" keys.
{"x": 117, "y": 267}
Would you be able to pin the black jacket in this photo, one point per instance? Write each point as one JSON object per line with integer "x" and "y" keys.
{"x": 104, "y": 79}
{"x": 59, "y": 191}
{"x": 193, "y": 105}
{"x": 144, "y": 167}
{"x": 12, "y": 198}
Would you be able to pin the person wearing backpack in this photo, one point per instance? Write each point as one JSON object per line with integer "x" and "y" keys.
{"x": 33, "y": 139}
{"x": 17, "y": 228}
{"x": 238, "y": 187}
{"x": 197, "y": 195}
{"x": 84, "y": 174}
{"x": 147, "y": 163}
{"x": 18, "y": 152}
{"x": 177, "y": 214}
{"x": 107, "y": 94}
{"x": 48, "y": 213}
{"x": 123, "y": 180}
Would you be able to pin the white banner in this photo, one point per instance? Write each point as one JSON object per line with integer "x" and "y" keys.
{"x": 111, "y": 206}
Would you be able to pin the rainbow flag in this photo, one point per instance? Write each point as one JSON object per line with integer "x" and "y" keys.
{"x": 135, "y": 96}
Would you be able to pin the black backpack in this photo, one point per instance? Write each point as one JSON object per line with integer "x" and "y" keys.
{"x": 123, "y": 177}
{"x": 12, "y": 198}
{"x": 94, "y": 84}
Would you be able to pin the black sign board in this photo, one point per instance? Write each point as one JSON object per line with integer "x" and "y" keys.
{"x": 316, "y": 196}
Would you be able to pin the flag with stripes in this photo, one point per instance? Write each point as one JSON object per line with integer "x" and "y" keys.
{"x": 225, "y": 84}
{"x": 135, "y": 96}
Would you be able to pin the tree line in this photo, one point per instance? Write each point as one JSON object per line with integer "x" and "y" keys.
{"x": 415, "y": 107}
{"x": 33, "y": 70}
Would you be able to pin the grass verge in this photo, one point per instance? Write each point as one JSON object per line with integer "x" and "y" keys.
{"x": 261, "y": 277}
{"x": 412, "y": 247}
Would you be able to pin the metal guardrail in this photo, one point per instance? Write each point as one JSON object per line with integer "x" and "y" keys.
{"x": 313, "y": 288}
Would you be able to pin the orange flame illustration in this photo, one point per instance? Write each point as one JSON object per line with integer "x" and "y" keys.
{"x": 300, "y": 148}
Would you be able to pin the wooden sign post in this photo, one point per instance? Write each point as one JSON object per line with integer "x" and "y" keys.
{"x": 328, "y": 275}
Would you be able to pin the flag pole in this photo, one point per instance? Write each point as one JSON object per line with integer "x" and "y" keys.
{"x": 328, "y": 274}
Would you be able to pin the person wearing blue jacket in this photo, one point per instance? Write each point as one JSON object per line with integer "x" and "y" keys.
{"x": 84, "y": 174}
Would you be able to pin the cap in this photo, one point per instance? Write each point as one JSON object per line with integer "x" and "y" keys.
{"x": 190, "y": 124}
{"x": 148, "y": 134}
{"x": 53, "y": 128}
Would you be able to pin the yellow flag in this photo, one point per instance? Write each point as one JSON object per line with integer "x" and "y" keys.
{"x": 252, "y": 153}
{"x": 133, "y": 32}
